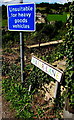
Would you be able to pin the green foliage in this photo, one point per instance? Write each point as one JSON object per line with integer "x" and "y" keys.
{"x": 69, "y": 44}
{"x": 49, "y": 32}
{"x": 37, "y": 77}
{"x": 9, "y": 38}
{"x": 56, "y": 17}
{"x": 65, "y": 50}
{"x": 16, "y": 93}
{"x": 58, "y": 24}
{"x": 50, "y": 8}
{"x": 4, "y": 22}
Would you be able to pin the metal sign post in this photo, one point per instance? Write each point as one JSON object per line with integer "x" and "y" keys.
{"x": 21, "y": 54}
{"x": 22, "y": 57}
{"x": 21, "y": 17}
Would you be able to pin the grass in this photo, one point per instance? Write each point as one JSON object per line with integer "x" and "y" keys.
{"x": 57, "y": 17}
{"x": 41, "y": 8}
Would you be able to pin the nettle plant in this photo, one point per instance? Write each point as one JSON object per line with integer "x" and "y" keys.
{"x": 69, "y": 44}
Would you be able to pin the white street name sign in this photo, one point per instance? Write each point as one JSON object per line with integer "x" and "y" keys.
{"x": 47, "y": 68}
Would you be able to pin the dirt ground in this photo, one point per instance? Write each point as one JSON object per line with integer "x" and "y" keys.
{"x": 6, "y": 111}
